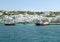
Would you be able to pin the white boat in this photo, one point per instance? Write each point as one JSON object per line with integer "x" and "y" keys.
{"x": 42, "y": 22}
{"x": 9, "y": 21}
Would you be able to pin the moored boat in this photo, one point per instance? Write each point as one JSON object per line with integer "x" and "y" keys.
{"x": 42, "y": 22}
{"x": 9, "y": 23}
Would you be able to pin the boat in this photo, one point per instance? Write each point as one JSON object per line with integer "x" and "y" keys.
{"x": 9, "y": 21}
{"x": 42, "y": 22}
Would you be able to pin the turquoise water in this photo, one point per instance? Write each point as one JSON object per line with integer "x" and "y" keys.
{"x": 29, "y": 33}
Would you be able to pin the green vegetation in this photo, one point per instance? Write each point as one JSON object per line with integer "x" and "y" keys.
{"x": 28, "y": 12}
{"x": 18, "y": 12}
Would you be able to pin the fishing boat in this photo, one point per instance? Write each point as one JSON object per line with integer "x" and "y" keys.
{"x": 42, "y": 22}
{"x": 9, "y": 21}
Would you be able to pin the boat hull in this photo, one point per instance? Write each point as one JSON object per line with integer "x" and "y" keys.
{"x": 9, "y": 24}
{"x": 38, "y": 24}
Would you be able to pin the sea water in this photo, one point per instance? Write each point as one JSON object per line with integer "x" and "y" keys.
{"x": 29, "y": 33}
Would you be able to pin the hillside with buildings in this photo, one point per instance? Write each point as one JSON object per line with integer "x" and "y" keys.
{"x": 29, "y": 17}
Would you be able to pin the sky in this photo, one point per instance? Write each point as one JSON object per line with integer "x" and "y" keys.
{"x": 30, "y": 5}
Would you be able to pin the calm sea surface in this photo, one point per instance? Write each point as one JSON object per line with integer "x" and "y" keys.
{"x": 29, "y": 33}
